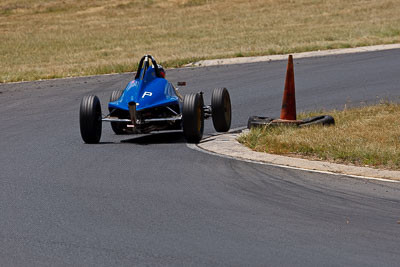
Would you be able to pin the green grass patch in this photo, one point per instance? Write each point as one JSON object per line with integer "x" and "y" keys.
{"x": 363, "y": 136}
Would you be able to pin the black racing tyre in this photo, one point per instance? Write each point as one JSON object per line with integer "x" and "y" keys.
{"x": 318, "y": 120}
{"x": 118, "y": 127}
{"x": 115, "y": 95}
{"x": 193, "y": 117}
{"x": 90, "y": 119}
{"x": 221, "y": 109}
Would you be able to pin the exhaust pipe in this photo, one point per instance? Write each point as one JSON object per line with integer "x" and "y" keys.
{"x": 132, "y": 112}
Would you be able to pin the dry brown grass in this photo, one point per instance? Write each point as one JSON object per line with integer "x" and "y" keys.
{"x": 368, "y": 135}
{"x": 57, "y": 38}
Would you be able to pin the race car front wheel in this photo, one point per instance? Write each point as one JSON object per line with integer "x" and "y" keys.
{"x": 90, "y": 119}
{"x": 118, "y": 127}
{"x": 221, "y": 109}
{"x": 193, "y": 117}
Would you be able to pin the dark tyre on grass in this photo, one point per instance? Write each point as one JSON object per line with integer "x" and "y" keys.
{"x": 90, "y": 119}
{"x": 256, "y": 121}
{"x": 221, "y": 109}
{"x": 193, "y": 117}
{"x": 118, "y": 127}
{"x": 318, "y": 120}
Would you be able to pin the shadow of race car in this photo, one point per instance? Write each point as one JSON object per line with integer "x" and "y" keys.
{"x": 151, "y": 103}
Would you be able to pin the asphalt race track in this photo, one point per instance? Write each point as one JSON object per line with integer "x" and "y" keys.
{"x": 151, "y": 200}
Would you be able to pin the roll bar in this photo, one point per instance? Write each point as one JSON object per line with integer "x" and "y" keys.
{"x": 144, "y": 64}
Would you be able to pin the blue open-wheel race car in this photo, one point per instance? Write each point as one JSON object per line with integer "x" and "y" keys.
{"x": 151, "y": 103}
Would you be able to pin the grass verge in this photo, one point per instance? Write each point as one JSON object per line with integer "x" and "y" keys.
{"x": 60, "y": 38}
{"x": 363, "y": 136}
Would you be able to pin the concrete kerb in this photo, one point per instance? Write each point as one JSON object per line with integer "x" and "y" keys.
{"x": 244, "y": 60}
{"x": 227, "y": 145}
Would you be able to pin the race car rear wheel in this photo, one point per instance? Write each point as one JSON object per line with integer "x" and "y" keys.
{"x": 90, "y": 119}
{"x": 118, "y": 127}
{"x": 193, "y": 117}
{"x": 221, "y": 109}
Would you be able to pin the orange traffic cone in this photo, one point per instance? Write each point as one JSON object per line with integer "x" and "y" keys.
{"x": 288, "y": 111}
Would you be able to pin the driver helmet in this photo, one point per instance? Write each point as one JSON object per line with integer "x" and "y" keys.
{"x": 161, "y": 70}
